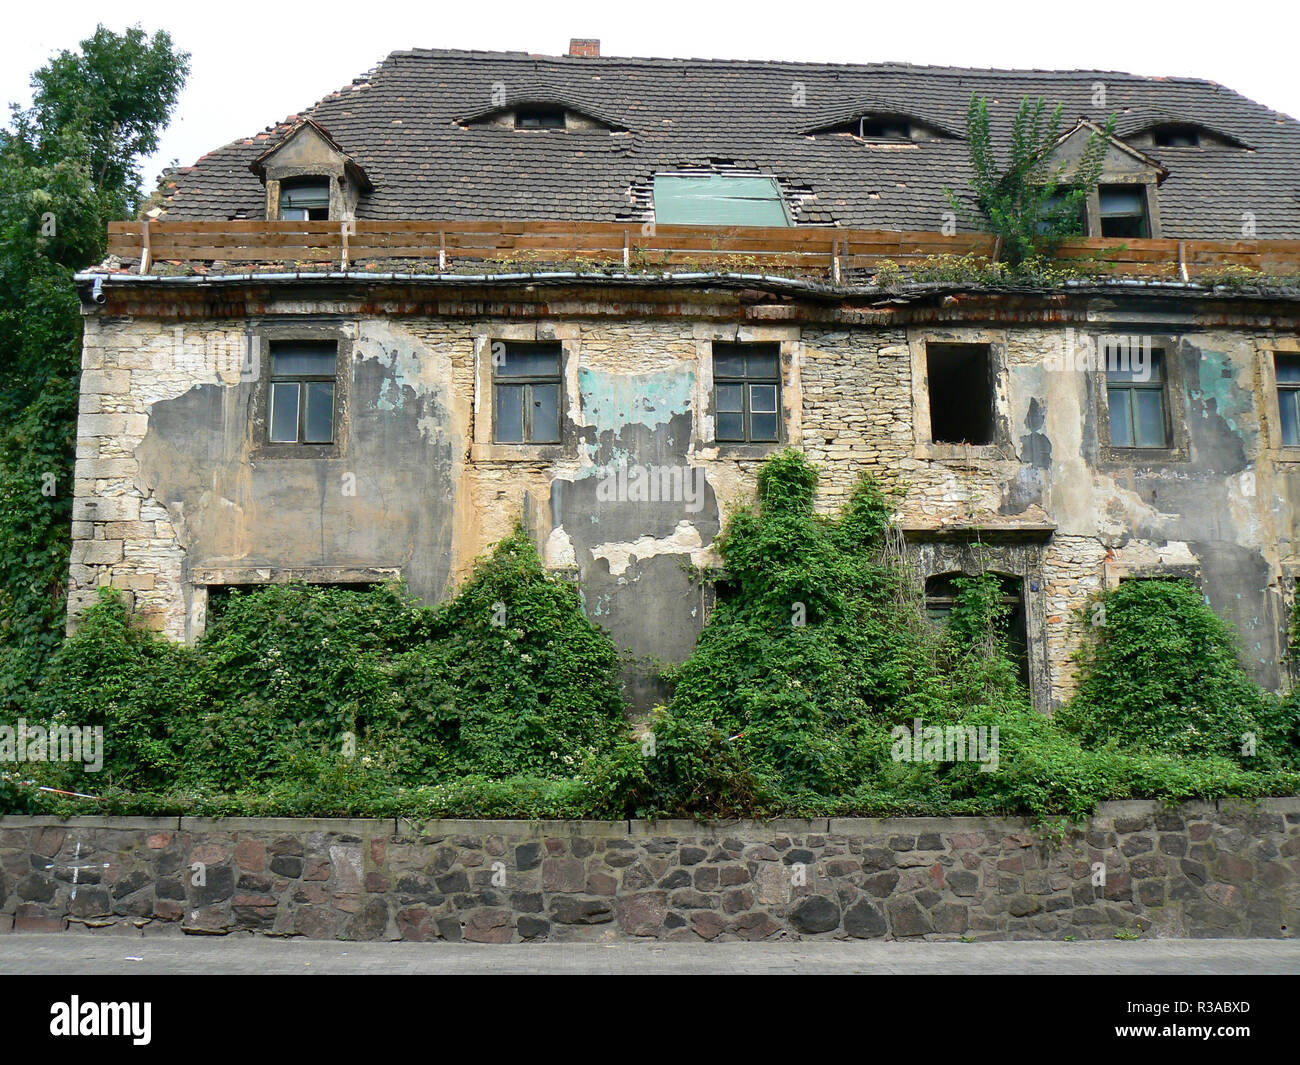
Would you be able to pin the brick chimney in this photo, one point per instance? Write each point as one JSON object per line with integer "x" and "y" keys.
{"x": 584, "y": 47}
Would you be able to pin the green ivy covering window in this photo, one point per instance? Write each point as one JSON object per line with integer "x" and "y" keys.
{"x": 719, "y": 200}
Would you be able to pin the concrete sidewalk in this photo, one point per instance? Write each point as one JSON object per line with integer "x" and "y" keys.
{"x": 80, "y": 954}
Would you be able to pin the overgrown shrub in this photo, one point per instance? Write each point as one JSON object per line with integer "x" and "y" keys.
{"x": 329, "y": 698}
{"x": 1161, "y": 674}
{"x": 814, "y": 669}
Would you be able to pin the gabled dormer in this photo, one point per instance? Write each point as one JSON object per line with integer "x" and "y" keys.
{"x": 1124, "y": 202}
{"x": 308, "y": 177}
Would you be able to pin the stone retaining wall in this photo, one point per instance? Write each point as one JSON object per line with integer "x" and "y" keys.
{"x": 1198, "y": 871}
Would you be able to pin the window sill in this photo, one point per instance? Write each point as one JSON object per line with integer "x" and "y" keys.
{"x": 736, "y": 449}
{"x": 1285, "y": 454}
{"x": 1140, "y": 456}
{"x": 926, "y": 449}
{"x": 551, "y": 453}
{"x": 297, "y": 451}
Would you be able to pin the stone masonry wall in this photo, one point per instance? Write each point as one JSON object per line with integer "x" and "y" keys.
{"x": 170, "y": 487}
{"x": 1199, "y": 871}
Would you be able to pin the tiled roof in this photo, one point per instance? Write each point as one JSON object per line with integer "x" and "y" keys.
{"x": 403, "y": 123}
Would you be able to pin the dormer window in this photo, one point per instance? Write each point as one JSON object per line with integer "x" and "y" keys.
{"x": 1176, "y": 136}
{"x": 1123, "y": 211}
{"x": 872, "y": 128}
{"x": 305, "y": 200}
{"x": 539, "y": 118}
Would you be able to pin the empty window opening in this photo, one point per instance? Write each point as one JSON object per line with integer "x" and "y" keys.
{"x": 1288, "y": 397}
{"x": 302, "y": 392}
{"x": 884, "y": 129}
{"x": 960, "y": 380}
{"x": 526, "y": 393}
{"x": 1177, "y": 137}
{"x": 1135, "y": 391}
{"x": 539, "y": 118}
{"x": 305, "y": 201}
{"x": 747, "y": 393}
{"x": 1123, "y": 211}
{"x": 941, "y": 593}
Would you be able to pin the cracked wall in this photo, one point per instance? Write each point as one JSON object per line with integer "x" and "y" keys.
{"x": 176, "y": 495}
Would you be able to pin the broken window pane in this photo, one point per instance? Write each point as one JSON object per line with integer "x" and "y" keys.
{"x": 1123, "y": 211}
{"x": 546, "y": 413}
{"x": 1121, "y": 420}
{"x": 719, "y": 200}
{"x": 1288, "y": 397}
{"x": 528, "y": 406}
{"x": 510, "y": 414}
{"x": 746, "y": 392}
{"x": 302, "y": 391}
{"x": 320, "y": 413}
{"x": 284, "y": 413}
{"x": 303, "y": 201}
{"x": 960, "y": 381}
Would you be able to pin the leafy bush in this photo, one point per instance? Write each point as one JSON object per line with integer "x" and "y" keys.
{"x": 813, "y": 669}
{"x": 1162, "y": 675}
{"x": 330, "y": 698}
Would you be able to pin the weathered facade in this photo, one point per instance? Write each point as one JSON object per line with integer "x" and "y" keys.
{"x": 1018, "y": 451}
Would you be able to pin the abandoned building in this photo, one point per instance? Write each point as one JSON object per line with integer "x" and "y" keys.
{"x": 595, "y": 293}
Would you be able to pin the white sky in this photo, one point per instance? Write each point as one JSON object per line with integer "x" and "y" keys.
{"x": 254, "y": 63}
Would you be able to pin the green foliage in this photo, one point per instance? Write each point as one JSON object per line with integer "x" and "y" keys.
{"x": 68, "y": 165}
{"x": 1016, "y": 191}
{"x": 770, "y": 716}
{"x": 117, "y": 92}
{"x": 514, "y": 678}
{"x": 813, "y": 674}
{"x": 329, "y": 699}
{"x": 128, "y": 681}
{"x": 1162, "y": 675}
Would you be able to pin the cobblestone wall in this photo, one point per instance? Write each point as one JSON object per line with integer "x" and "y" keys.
{"x": 1199, "y": 871}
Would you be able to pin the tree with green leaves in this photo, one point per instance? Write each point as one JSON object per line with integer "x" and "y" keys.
{"x": 69, "y": 164}
{"x": 1025, "y": 195}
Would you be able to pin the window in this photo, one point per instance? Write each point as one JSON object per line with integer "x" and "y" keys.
{"x": 1176, "y": 137}
{"x": 305, "y": 201}
{"x": 941, "y": 594}
{"x": 1135, "y": 390}
{"x": 526, "y": 393}
{"x": 747, "y": 393}
{"x": 1288, "y": 397}
{"x": 1123, "y": 211}
{"x": 960, "y": 378}
{"x": 719, "y": 200}
{"x": 1054, "y": 210}
{"x": 539, "y": 118}
{"x": 884, "y": 129}
{"x": 302, "y": 392}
